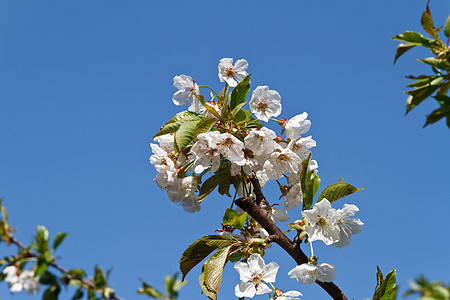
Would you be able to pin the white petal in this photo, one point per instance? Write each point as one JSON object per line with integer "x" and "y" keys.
{"x": 240, "y": 65}
{"x": 256, "y": 263}
{"x": 182, "y": 82}
{"x": 181, "y": 97}
{"x": 270, "y": 272}
{"x": 244, "y": 271}
{"x": 262, "y": 289}
{"x": 245, "y": 289}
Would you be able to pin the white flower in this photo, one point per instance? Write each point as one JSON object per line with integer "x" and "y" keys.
{"x": 160, "y": 156}
{"x": 166, "y": 141}
{"x": 308, "y": 273}
{"x": 182, "y": 191}
{"x": 206, "y": 151}
{"x": 280, "y": 162}
{"x": 265, "y": 103}
{"x": 30, "y": 284}
{"x": 187, "y": 89}
{"x": 322, "y": 223}
{"x": 228, "y": 72}
{"x": 301, "y": 146}
{"x": 291, "y": 295}
{"x": 277, "y": 215}
{"x": 293, "y": 198}
{"x": 25, "y": 280}
{"x": 252, "y": 275}
{"x": 347, "y": 226}
{"x": 231, "y": 148}
{"x": 261, "y": 141}
{"x": 297, "y": 126}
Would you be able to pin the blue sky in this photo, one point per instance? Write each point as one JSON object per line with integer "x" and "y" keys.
{"x": 85, "y": 85}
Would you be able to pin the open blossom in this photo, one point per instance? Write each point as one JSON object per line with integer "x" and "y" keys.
{"x": 181, "y": 191}
{"x": 166, "y": 141}
{"x": 187, "y": 89}
{"x": 347, "y": 226}
{"x": 231, "y": 148}
{"x": 301, "y": 146}
{"x": 206, "y": 151}
{"x": 293, "y": 198}
{"x": 252, "y": 274}
{"x": 261, "y": 141}
{"x": 24, "y": 281}
{"x": 322, "y": 223}
{"x": 230, "y": 73}
{"x": 265, "y": 103}
{"x": 297, "y": 126}
{"x": 280, "y": 162}
{"x": 310, "y": 272}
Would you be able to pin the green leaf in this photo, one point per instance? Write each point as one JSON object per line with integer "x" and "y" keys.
{"x": 169, "y": 282}
{"x": 443, "y": 89}
{"x": 78, "y": 272}
{"x": 253, "y": 123}
{"x": 99, "y": 278}
{"x": 205, "y": 125}
{"x": 420, "y": 94}
{"x": 224, "y": 185}
{"x": 242, "y": 116}
{"x": 238, "y": 108}
{"x": 58, "y": 239}
{"x": 422, "y": 82}
{"x": 385, "y": 286}
{"x": 303, "y": 171}
{"x": 51, "y": 293}
{"x": 173, "y": 124}
{"x": 402, "y": 49}
{"x": 427, "y": 23}
{"x": 78, "y": 294}
{"x": 240, "y": 92}
{"x": 210, "y": 184}
{"x": 48, "y": 278}
{"x": 447, "y": 27}
{"x": 185, "y": 134}
{"x": 41, "y": 267}
{"x": 414, "y": 38}
{"x": 337, "y": 191}
{"x": 437, "y": 63}
{"x": 200, "y": 249}
{"x": 150, "y": 291}
{"x": 436, "y": 115}
{"x": 312, "y": 182}
{"x": 233, "y": 219}
{"x": 213, "y": 270}
{"x": 209, "y": 108}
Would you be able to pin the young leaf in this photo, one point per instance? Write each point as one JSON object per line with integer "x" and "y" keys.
{"x": 422, "y": 82}
{"x": 200, "y": 249}
{"x": 337, "y": 191}
{"x": 427, "y": 23}
{"x": 240, "y": 92}
{"x": 437, "y": 63}
{"x": 414, "y": 38}
{"x": 242, "y": 116}
{"x": 186, "y": 134}
{"x": 420, "y": 94}
{"x": 213, "y": 270}
{"x": 385, "y": 286}
{"x": 169, "y": 283}
{"x": 401, "y": 49}
{"x": 205, "y": 125}
{"x": 58, "y": 239}
{"x": 173, "y": 124}
{"x": 312, "y": 182}
{"x": 150, "y": 291}
{"x": 436, "y": 115}
{"x": 447, "y": 27}
{"x": 233, "y": 219}
{"x": 209, "y": 108}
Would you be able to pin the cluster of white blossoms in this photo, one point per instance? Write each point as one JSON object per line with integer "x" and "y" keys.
{"x": 21, "y": 281}
{"x": 258, "y": 151}
{"x": 221, "y": 138}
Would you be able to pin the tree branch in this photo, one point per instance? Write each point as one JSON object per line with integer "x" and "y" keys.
{"x": 86, "y": 282}
{"x": 257, "y": 210}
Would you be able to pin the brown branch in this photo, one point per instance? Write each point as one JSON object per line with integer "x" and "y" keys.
{"x": 86, "y": 282}
{"x": 256, "y": 209}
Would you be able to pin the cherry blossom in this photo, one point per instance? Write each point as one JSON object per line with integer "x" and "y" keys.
{"x": 252, "y": 274}
{"x": 291, "y": 295}
{"x": 261, "y": 141}
{"x": 265, "y": 103}
{"x": 322, "y": 223}
{"x": 297, "y": 126}
{"x": 187, "y": 89}
{"x": 232, "y": 74}
{"x": 24, "y": 281}
{"x": 310, "y": 272}
{"x": 347, "y": 226}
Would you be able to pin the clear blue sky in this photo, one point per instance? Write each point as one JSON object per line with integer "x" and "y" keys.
{"x": 84, "y": 85}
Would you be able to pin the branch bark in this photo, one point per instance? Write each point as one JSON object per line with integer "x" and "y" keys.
{"x": 257, "y": 209}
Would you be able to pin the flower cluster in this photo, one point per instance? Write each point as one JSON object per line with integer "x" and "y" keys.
{"x": 242, "y": 149}
{"x": 217, "y": 143}
{"x": 21, "y": 281}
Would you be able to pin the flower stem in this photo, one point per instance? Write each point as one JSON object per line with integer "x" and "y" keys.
{"x": 205, "y": 86}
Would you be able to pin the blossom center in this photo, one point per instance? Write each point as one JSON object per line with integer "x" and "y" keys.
{"x": 262, "y": 105}
{"x": 230, "y": 71}
{"x": 321, "y": 221}
{"x": 256, "y": 280}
